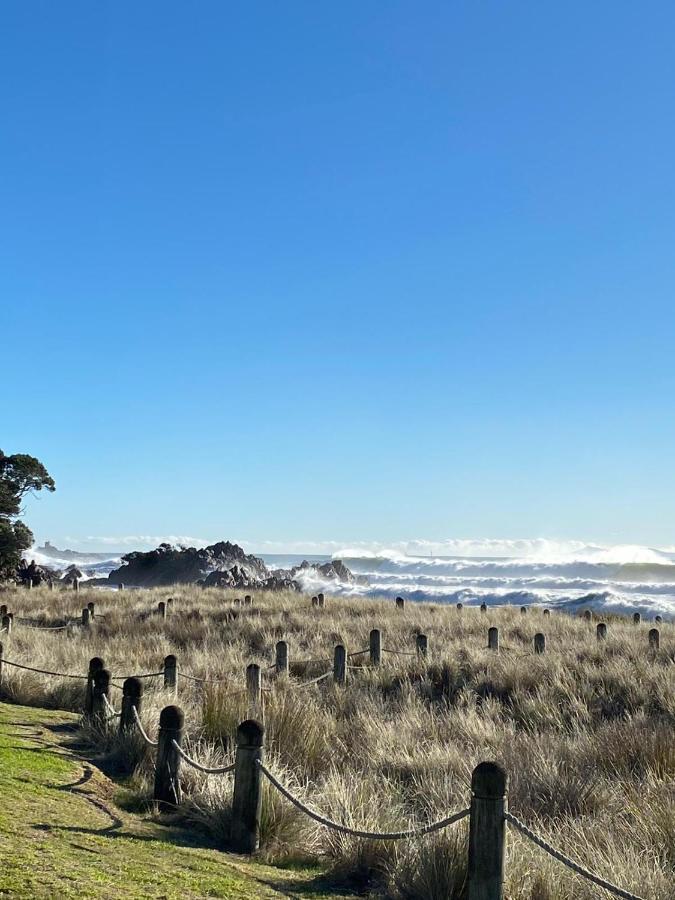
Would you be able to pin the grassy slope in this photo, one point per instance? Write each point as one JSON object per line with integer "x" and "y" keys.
{"x": 62, "y": 834}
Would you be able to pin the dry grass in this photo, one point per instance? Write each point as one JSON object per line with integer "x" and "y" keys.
{"x": 586, "y": 732}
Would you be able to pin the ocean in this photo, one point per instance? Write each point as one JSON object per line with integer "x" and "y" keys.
{"x": 568, "y": 577}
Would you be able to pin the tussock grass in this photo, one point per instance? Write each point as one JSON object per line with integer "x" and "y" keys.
{"x": 586, "y": 732}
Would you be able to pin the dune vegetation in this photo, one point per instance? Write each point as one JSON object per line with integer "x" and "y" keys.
{"x": 585, "y": 731}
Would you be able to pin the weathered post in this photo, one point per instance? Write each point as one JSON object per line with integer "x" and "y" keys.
{"x": 76, "y": 585}
{"x": 170, "y": 670}
{"x": 120, "y": 586}
{"x": 167, "y": 768}
{"x": 636, "y": 618}
{"x": 3, "y": 611}
{"x": 95, "y": 665}
{"x": 601, "y": 631}
{"x": 315, "y": 601}
{"x": 100, "y": 690}
{"x": 7, "y": 623}
{"x": 654, "y": 638}
{"x": 132, "y": 696}
{"x": 253, "y": 685}
{"x": 400, "y": 603}
{"x": 29, "y": 584}
{"x": 539, "y": 642}
{"x": 460, "y": 606}
{"x": 375, "y": 647}
{"x": 322, "y": 600}
{"x": 523, "y": 610}
{"x": 161, "y": 609}
{"x": 340, "y": 665}
{"x": 247, "y": 796}
{"x": 493, "y": 638}
{"x": 422, "y": 644}
{"x": 237, "y": 601}
{"x": 588, "y": 615}
{"x": 483, "y": 607}
{"x": 547, "y": 612}
{"x": 487, "y": 833}
{"x": 85, "y": 616}
{"x": 1, "y": 655}
{"x": 169, "y": 603}
{"x": 281, "y": 660}
{"x": 657, "y": 619}
{"x": 248, "y": 600}
{"x": 91, "y": 608}
{"x": 51, "y": 585}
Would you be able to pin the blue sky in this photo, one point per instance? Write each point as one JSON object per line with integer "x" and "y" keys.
{"x": 351, "y": 272}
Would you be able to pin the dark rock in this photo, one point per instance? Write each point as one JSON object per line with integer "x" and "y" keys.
{"x": 71, "y": 574}
{"x": 36, "y": 574}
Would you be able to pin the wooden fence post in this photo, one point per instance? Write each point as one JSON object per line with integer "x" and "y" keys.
{"x": 247, "y": 796}
{"x": 76, "y": 585}
{"x": 91, "y": 608}
{"x": 1, "y": 655}
{"x": 161, "y": 609}
{"x": 375, "y": 647}
{"x": 169, "y": 604}
{"x": 7, "y": 623}
{"x": 340, "y": 665}
{"x": 493, "y": 638}
{"x": 120, "y": 586}
{"x": 601, "y": 631}
{"x": 3, "y": 611}
{"x": 29, "y": 584}
{"x": 487, "y": 832}
{"x": 170, "y": 668}
{"x": 315, "y": 601}
{"x": 95, "y": 665}
{"x": 483, "y": 607}
{"x": 523, "y": 610}
{"x": 167, "y": 768}
{"x": 322, "y": 600}
{"x": 253, "y": 684}
{"x": 588, "y": 615}
{"x": 86, "y": 615}
{"x": 400, "y": 603}
{"x": 100, "y": 689}
{"x": 539, "y": 642}
{"x": 460, "y": 606}
{"x": 654, "y": 638}
{"x": 281, "y": 660}
{"x": 132, "y": 695}
{"x": 657, "y": 619}
{"x": 248, "y": 600}
{"x": 422, "y": 644}
{"x": 547, "y": 612}
{"x": 636, "y": 618}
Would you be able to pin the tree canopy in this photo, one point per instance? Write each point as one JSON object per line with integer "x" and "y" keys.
{"x": 20, "y": 474}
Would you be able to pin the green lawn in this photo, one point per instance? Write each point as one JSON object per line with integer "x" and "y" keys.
{"x": 61, "y": 834}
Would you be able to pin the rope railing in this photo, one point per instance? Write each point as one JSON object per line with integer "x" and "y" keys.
{"x": 110, "y": 708}
{"x": 305, "y": 684}
{"x": 207, "y": 770}
{"x": 8, "y": 662}
{"x": 567, "y": 861}
{"x": 356, "y": 832}
{"x": 202, "y": 680}
{"x": 139, "y": 724}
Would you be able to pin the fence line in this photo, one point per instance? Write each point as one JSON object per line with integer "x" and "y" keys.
{"x": 217, "y": 770}
{"x": 142, "y": 730}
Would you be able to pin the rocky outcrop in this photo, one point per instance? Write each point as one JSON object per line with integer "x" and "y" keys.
{"x": 36, "y": 574}
{"x": 223, "y": 565}
{"x": 72, "y": 574}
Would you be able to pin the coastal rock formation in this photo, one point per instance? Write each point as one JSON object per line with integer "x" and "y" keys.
{"x": 36, "y": 574}
{"x": 223, "y": 565}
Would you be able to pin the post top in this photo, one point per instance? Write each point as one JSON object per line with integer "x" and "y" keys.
{"x": 250, "y": 734}
{"x": 132, "y": 687}
{"x": 281, "y": 643}
{"x": 171, "y": 717}
{"x": 488, "y": 781}
{"x": 170, "y": 660}
{"x": 102, "y": 677}
{"x": 252, "y": 666}
{"x": 96, "y": 663}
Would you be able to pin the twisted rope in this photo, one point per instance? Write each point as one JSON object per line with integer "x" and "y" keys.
{"x": 355, "y": 832}
{"x": 111, "y": 708}
{"x": 201, "y": 680}
{"x": 217, "y": 770}
{"x": 358, "y": 653}
{"x": 146, "y": 675}
{"x": 142, "y": 730}
{"x": 398, "y": 652}
{"x": 305, "y": 684}
{"x": 565, "y": 860}
{"x": 8, "y": 662}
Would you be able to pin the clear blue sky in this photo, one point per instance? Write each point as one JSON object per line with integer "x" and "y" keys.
{"x": 353, "y": 271}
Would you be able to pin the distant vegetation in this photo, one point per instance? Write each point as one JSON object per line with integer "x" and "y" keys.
{"x": 584, "y": 731}
{"x": 19, "y": 475}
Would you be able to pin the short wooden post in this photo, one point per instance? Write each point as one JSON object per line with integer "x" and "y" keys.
{"x": 161, "y": 609}
{"x": 86, "y": 615}
{"x": 29, "y": 584}
{"x": 483, "y": 607}
{"x": 547, "y": 612}
{"x": 539, "y": 642}
{"x": 588, "y": 615}
{"x": 281, "y": 660}
{"x": 7, "y": 623}
{"x": 340, "y": 665}
{"x": 1, "y": 655}
{"x": 76, "y": 585}
{"x": 322, "y": 600}
{"x": 400, "y": 603}
{"x": 51, "y": 585}
{"x": 657, "y": 619}
{"x": 247, "y": 796}
{"x": 601, "y": 631}
{"x": 3, "y": 611}
{"x": 91, "y": 608}
{"x": 169, "y": 603}
{"x": 375, "y": 647}
{"x": 460, "y": 606}
{"x": 120, "y": 586}
{"x": 237, "y": 601}
{"x": 487, "y": 833}
{"x": 100, "y": 689}
{"x": 248, "y": 600}
{"x": 132, "y": 696}
{"x": 654, "y": 638}
{"x": 493, "y": 638}
{"x": 170, "y": 669}
{"x": 315, "y": 601}
{"x": 422, "y": 644}
{"x": 253, "y": 684}
{"x": 636, "y": 618}
{"x": 167, "y": 768}
{"x": 95, "y": 665}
